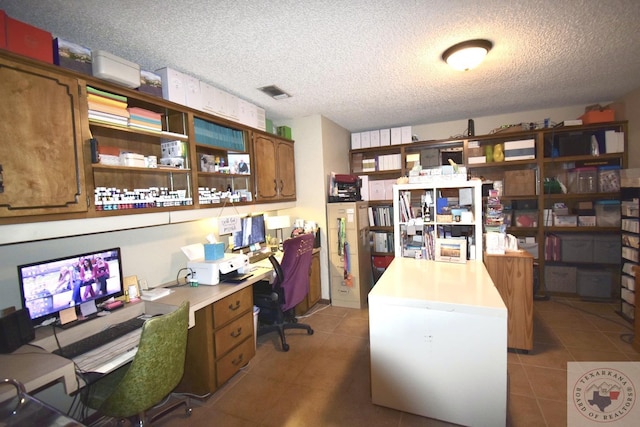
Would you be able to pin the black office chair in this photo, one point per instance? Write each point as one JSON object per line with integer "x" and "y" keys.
{"x": 139, "y": 391}
{"x": 277, "y": 301}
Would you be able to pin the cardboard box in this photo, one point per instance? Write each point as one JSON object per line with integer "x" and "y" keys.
{"x": 25, "y": 39}
{"x": 110, "y": 67}
{"x": 72, "y": 56}
{"x": 520, "y": 182}
{"x": 598, "y": 116}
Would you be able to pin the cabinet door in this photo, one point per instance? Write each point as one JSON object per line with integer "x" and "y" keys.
{"x": 41, "y": 149}
{"x": 314, "y": 280}
{"x": 264, "y": 151}
{"x": 286, "y": 170}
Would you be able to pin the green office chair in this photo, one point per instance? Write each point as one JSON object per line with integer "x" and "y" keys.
{"x": 135, "y": 390}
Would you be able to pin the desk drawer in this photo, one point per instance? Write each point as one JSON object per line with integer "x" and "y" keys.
{"x": 235, "y": 332}
{"x": 232, "y": 306}
{"x": 232, "y": 362}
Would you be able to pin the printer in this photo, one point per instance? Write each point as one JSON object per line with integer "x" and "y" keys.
{"x": 211, "y": 272}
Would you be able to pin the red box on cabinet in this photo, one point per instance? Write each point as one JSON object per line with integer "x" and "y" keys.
{"x": 26, "y": 39}
{"x": 598, "y": 116}
{"x": 3, "y": 29}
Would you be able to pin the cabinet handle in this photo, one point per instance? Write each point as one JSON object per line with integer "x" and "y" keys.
{"x": 281, "y": 186}
{"x": 236, "y": 333}
{"x": 1, "y": 181}
{"x": 234, "y": 308}
{"x": 238, "y": 360}
{"x": 275, "y": 185}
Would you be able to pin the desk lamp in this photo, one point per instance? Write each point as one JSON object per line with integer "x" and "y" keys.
{"x": 278, "y": 223}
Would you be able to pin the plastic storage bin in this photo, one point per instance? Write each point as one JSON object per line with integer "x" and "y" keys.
{"x": 607, "y": 213}
{"x": 609, "y": 179}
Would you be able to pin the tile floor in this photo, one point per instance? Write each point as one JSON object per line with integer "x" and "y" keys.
{"x": 324, "y": 379}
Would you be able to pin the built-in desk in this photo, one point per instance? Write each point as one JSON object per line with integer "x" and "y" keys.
{"x": 37, "y": 367}
{"x": 438, "y": 342}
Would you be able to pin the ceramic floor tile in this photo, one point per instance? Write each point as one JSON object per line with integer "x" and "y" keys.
{"x": 524, "y": 411}
{"x": 548, "y": 356}
{"x": 548, "y": 383}
{"x": 519, "y": 383}
{"x": 326, "y": 376}
{"x": 554, "y": 412}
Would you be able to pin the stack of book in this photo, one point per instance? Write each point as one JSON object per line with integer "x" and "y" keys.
{"x": 494, "y": 218}
{"x": 107, "y": 107}
{"x": 145, "y": 119}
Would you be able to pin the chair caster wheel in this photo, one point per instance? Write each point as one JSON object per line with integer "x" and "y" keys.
{"x": 188, "y": 412}
{"x": 285, "y": 347}
{"x": 310, "y": 332}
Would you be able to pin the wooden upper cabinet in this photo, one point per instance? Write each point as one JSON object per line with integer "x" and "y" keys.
{"x": 274, "y": 168}
{"x": 41, "y": 147}
{"x": 286, "y": 170}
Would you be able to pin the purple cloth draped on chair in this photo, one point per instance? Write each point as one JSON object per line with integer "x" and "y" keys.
{"x": 296, "y": 263}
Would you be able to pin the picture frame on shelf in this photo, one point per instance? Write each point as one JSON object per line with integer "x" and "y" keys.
{"x": 451, "y": 250}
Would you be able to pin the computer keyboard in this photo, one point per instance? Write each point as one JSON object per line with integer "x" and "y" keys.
{"x": 110, "y": 356}
{"x": 259, "y": 257}
{"x": 99, "y": 339}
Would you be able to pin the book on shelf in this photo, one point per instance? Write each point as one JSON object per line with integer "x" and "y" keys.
{"x": 108, "y": 101}
{"x": 93, "y": 91}
{"x": 106, "y": 108}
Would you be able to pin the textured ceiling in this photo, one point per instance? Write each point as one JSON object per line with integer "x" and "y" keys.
{"x": 369, "y": 64}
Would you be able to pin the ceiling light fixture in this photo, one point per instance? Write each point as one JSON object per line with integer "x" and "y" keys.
{"x": 468, "y": 54}
{"x": 275, "y": 92}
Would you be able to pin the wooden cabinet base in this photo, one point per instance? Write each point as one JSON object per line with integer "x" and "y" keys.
{"x": 512, "y": 274}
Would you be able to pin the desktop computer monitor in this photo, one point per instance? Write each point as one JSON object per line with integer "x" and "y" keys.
{"x": 50, "y": 286}
{"x": 251, "y": 235}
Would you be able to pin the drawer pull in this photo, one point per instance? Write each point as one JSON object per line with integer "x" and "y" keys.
{"x": 238, "y": 360}
{"x": 236, "y": 333}
{"x": 234, "y": 308}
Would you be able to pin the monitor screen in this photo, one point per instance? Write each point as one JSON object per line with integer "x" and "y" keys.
{"x": 49, "y": 286}
{"x": 252, "y": 233}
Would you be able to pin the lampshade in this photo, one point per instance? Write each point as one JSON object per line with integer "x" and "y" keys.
{"x": 278, "y": 222}
{"x": 467, "y": 55}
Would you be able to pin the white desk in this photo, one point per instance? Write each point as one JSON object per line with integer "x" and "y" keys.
{"x": 37, "y": 368}
{"x": 438, "y": 340}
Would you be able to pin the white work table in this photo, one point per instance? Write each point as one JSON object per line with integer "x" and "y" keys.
{"x": 438, "y": 339}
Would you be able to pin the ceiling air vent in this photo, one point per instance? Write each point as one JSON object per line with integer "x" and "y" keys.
{"x": 275, "y": 92}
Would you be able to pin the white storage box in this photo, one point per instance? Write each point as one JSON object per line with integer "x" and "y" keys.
{"x": 133, "y": 159}
{"x": 115, "y": 69}
{"x": 174, "y": 85}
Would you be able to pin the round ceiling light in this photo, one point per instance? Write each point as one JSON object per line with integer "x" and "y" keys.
{"x": 467, "y": 55}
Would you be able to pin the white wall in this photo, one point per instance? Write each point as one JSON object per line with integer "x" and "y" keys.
{"x": 484, "y": 125}
{"x": 321, "y": 147}
{"x": 151, "y": 253}
{"x": 630, "y": 110}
